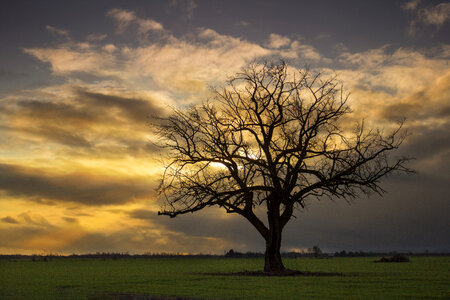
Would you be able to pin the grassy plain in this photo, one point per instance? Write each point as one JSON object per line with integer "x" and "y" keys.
{"x": 62, "y": 278}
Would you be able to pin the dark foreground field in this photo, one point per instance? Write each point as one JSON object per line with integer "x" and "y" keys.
{"x": 162, "y": 278}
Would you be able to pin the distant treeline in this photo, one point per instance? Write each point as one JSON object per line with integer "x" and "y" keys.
{"x": 316, "y": 252}
{"x": 229, "y": 254}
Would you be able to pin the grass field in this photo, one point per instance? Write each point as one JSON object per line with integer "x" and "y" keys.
{"x": 422, "y": 278}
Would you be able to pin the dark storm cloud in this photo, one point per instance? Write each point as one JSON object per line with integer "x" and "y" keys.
{"x": 9, "y": 220}
{"x": 59, "y": 135}
{"x": 135, "y": 110}
{"x": 416, "y": 110}
{"x": 142, "y": 214}
{"x": 87, "y": 108}
{"x": 410, "y": 217}
{"x": 428, "y": 142}
{"x": 55, "y": 112}
{"x": 75, "y": 122}
{"x": 76, "y": 187}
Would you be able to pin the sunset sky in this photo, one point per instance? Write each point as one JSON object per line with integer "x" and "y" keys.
{"x": 80, "y": 82}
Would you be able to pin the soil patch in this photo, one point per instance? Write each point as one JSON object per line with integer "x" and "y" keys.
{"x": 280, "y": 274}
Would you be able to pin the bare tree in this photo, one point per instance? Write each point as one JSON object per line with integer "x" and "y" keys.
{"x": 271, "y": 138}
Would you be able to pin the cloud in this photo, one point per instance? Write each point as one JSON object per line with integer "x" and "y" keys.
{"x": 392, "y": 222}
{"x": 322, "y": 36}
{"x": 173, "y": 64}
{"x": 430, "y": 102}
{"x": 277, "y": 41}
{"x": 186, "y": 6}
{"x": 119, "y": 234}
{"x": 398, "y": 73}
{"x": 109, "y": 48}
{"x": 93, "y": 37}
{"x": 85, "y": 142}
{"x": 36, "y": 240}
{"x": 410, "y": 217}
{"x": 58, "y": 135}
{"x": 125, "y": 18}
{"x": 411, "y": 5}
{"x": 30, "y": 218}
{"x": 9, "y": 220}
{"x": 13, "y": 237}
{"x": 81, "y": 106}
{"x": 32, "y": 233}
{"x": 142, "y": 240}
{"x": 242, "y": 24}
{"x": 76, "y": 57}
{"x": 180, "y": 65}
{"x": 83, "y": 188}
{"x": 132, "y": 109}
{"x": 57, "y": 31}
{"x": 74, "y": 121}
{"x": 213, "y": 223}
{"x": 430, "y": 146}
{"x": 138, "y": 238}
{"x": 437, "y": 15}
{"x": 369, "y": 59}
{"x": 9, "y": 75}
{"x": 299, "y": 51}
{"x": 434, "y": 15}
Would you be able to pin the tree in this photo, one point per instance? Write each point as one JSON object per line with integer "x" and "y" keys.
{"x": 272, "y": 139}
{"x": 316, "y": 251}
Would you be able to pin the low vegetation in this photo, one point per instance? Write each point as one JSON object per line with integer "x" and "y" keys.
{"x": 394, "y": 258}
{"x": 210, "y": 278}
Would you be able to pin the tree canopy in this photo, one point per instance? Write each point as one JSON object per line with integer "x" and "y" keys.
{"x": 274, "y": 136}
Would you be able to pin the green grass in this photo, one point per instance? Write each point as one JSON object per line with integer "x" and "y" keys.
{"x": 423, "y": 278}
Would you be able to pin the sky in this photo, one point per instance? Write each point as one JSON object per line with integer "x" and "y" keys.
{"x": 81, "y": 82}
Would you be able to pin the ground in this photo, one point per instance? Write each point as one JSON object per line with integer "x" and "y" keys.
{"x": 200, "y": 278}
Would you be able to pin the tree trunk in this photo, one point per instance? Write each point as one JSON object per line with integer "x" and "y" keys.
{"x": 272, "y": 261}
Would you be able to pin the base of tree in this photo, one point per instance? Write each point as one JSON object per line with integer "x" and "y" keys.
{"x": 286, "y": 272}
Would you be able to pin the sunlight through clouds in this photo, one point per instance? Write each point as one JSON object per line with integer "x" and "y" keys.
{"x": 80, "y": 164}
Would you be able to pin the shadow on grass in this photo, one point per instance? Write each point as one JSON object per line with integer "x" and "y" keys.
{"x": 397, "y": 258}
{"x": 287, "y": 272}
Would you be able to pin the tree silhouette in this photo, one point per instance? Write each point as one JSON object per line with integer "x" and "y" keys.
{"x": 271, "y": 138}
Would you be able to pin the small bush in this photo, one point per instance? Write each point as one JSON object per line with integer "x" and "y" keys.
{"x": 394, "y": 258}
